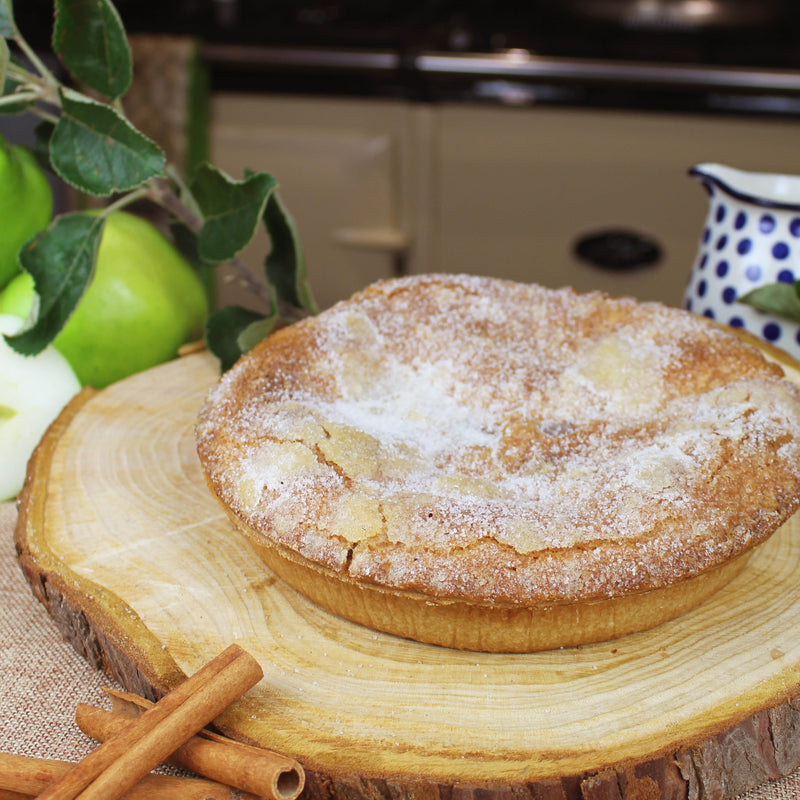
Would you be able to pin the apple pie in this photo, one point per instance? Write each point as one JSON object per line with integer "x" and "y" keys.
{"x": 489, "y": 465}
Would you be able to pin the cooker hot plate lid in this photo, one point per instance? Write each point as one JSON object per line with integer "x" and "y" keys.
{"x": 670, "y": 14}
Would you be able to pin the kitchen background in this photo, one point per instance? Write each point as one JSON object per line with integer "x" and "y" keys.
{"x": 547, "y": 141}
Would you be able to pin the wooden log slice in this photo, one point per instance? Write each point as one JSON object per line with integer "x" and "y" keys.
{"x": 120, "y": 538}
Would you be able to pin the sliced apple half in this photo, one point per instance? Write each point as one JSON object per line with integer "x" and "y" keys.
{"x": 33, "y": 390}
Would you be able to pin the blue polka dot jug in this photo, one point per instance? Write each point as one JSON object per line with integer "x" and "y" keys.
{"x": 751, "y": 238}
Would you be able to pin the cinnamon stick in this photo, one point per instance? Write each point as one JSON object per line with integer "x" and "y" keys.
{"x": 117, "y": 764}
{"x": 22, "y": 777}
{"x": 251, "y": 769}
{"x": 8, "y": 795}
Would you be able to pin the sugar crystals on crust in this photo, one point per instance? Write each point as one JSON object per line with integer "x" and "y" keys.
{"x": 473, "y": 439}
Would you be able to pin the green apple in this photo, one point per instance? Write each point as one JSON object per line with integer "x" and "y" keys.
{"x": 145, "y": 301}
{"x": 19, "y": 299}
{"x": 26, "y": 204}
{"x": 33, "y": 390}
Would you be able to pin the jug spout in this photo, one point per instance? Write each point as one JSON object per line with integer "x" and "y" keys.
{"x": 769, "y": 190}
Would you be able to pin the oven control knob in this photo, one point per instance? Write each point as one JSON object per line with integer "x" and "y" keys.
{"x": 617, "y": 250}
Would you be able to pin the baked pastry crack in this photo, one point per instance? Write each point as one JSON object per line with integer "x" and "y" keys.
{"x": 473, "y": 443}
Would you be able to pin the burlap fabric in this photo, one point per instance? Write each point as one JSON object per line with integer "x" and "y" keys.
{"x": 42, "y": 677}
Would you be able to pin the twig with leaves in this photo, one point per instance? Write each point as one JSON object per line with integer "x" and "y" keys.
{"x": 90, "y": 144}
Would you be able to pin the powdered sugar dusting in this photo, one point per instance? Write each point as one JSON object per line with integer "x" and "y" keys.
{"x": 461, "y": 410}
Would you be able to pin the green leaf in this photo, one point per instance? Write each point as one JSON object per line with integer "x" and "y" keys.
{"x": 8, "y": 27}
{"x": 90, "y": 38}
{"x": 233, "y": 330}
{"x": 285, "y": 265}
{"x": 781, "y": 299}
{"x": 42, "y": 134}
{"x": 6, "y": 412}
{"x": 98, "y": 151}
{"x": 61, "y": 261}
{"x": 185, "y": 241}
{"x": 256, "y": 331}
{"x": 231, "y": 210}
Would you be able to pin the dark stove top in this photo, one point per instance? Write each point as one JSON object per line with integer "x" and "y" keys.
{"x": 560, "y": 28}
{"x": 244, "y": 36}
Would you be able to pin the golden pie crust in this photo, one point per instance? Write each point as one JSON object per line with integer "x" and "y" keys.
{"x": 496, "y": 466}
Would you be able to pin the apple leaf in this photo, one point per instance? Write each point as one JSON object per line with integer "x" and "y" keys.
{"x": 98, "y": 151}
{"x": 91, "y": 40}
{"x": 7, "y": 25}
{"x": 40, "y": 148}
{"x": 285, "y": 265}
{"x": 231, "y": 210}
{"x": 256, "y": 331}
{"x": 185, "y": 241}
{"x": 61, "y": 261}
{"x": 781, "y": 299}
{"x": 233, "y": 330}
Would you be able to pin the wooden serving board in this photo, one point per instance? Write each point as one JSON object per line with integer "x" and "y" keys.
{"x": 120, "y": 538}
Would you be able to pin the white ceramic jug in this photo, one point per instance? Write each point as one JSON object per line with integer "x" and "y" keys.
{"x": 751, "y": 238}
